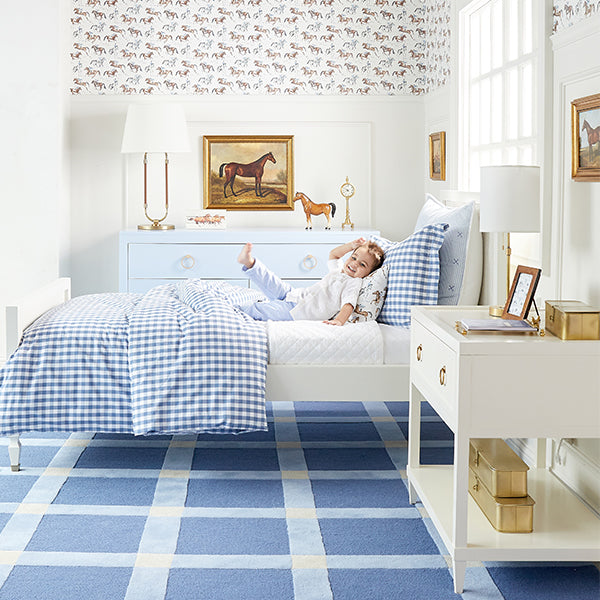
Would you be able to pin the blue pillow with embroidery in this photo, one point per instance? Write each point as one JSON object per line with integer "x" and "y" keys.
{"x": 460, "y": 272}
{"x": 414, "y": 272}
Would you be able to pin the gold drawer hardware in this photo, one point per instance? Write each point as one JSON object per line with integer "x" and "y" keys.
{"x": 443, "y": 376}
{"x": 188, "y": 261}
{"x": 309, "y": 262}
{"x": 476, "y": 486}
{"x": 419, "y": 352}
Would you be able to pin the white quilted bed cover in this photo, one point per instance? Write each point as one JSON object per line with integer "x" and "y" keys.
{"x": 315, "y": 343}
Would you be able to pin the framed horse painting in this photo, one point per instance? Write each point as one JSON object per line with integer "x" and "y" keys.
{"x": 585, "y": 126}
{"x": 437, "y": 156}
{"x": 248, "y": 172}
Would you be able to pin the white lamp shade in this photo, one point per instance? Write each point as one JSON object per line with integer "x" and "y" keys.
{"x": 155, "y": 128}
{"x": 509, "y": 199}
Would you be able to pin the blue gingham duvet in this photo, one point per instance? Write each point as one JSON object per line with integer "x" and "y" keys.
{"x": 179, "y": 358}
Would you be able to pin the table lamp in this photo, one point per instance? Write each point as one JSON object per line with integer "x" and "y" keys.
{"x": 509, "y": 201}
{"x": 151, "y": 128}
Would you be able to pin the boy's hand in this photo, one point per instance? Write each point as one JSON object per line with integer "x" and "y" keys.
{"x": 334, "y": 322}
{"x": 358, "y": 242}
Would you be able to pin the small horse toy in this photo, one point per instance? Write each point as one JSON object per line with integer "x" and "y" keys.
{"x": 310, "y": 208}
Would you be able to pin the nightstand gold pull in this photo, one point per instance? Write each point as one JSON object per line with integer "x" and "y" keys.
{"x": 188, "y": 261}
{"x": 443, "y": 376}
{"x": 419, "y": 352}
{"x": 309, "y": 262}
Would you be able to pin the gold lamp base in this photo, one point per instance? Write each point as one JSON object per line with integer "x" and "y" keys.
{"x": 496, "y": 311}
{"x": 156, "y": 227}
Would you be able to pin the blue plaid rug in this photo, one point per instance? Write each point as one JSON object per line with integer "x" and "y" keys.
{"x": 314, "y": 509}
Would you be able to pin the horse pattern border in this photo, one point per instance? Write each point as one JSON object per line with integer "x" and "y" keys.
{"x": 568, "y": 12}
{"x": 258, "y": 47}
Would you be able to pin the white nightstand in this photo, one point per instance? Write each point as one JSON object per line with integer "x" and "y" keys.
{"x": 150, "y": 258}
{"x": 503, "y": 386}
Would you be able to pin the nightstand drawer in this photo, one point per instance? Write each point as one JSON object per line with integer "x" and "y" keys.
{"x": 434, "y": 366}
{"x": 178, "y": 261}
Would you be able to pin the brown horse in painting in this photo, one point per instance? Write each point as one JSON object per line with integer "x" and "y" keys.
{"x": 254, "y": 169}
{"x": 593, "y": 136}
{"x": 310, "y": 208}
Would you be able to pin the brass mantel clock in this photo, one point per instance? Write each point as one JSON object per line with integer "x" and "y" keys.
{"x": 347, "y": 190}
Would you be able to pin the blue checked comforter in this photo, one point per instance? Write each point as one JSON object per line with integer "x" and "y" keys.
{"x": 180, "y": 358}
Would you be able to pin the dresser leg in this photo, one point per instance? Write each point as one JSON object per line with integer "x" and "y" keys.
{"x": 459, "y": 568}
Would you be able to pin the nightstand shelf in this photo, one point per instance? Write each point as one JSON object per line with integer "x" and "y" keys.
{"x": 496, "y": 385}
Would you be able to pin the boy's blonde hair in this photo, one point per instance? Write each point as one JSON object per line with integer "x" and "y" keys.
{"x": 376, "y": 252}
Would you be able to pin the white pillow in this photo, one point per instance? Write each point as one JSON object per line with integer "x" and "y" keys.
{"x": 461, "y": 259}
{"x": 371, "y": 296}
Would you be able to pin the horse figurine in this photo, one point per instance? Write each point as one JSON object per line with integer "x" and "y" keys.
{"x": 254, "y": 169}
{"x": 310, "y": 208}
{"x": 593, "y": 136}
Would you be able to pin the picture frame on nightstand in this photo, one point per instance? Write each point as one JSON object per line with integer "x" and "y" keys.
{"x": 522, "y": 292}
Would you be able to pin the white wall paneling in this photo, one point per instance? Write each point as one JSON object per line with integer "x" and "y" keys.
{"x": 377, "y": 142}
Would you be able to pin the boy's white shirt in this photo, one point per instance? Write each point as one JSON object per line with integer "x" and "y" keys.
{"x": 324, "y": 299}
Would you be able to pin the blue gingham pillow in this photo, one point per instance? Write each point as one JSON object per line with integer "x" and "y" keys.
{"x": 414, "y": 272}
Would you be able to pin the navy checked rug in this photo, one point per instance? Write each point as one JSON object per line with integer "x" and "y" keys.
{"x": 314, "y": 509}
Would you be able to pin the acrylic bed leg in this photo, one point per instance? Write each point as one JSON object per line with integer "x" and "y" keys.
{"x": 14, "y": 451}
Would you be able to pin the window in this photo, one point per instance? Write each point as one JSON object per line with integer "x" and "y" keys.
{"x": 500, "y": 115}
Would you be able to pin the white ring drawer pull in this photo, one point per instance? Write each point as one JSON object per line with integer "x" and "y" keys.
{"x": 419, "y": 352}
{"x": 309, "y": 262}
{"x": 443, "y": 376}
{"x": 188, "y": 261}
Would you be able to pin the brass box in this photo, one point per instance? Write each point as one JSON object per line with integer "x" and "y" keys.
{"x": 507, "y": 515}
{"x": 498, "y": 467}
{"x": 572, "y": 320}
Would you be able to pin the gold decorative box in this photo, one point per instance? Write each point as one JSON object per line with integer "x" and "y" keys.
{"x": 572, "y": 320}
{"x": 498, "y": 467}
{"x": 507, "y": 515}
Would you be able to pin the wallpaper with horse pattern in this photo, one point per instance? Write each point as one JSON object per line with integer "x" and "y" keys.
{"x": 278, "y": 47}
{"x": 569, "y": 12}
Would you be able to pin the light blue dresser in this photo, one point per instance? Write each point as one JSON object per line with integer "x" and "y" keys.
{"x": 150, "y": 258}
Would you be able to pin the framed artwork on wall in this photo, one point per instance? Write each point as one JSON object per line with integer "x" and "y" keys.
{"x": 437, "y": 156}
{"x": 248, "y": 172}
{"x": 585, "y": 134}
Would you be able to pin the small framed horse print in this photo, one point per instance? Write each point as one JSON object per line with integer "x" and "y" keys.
{"x": 585, "y": 133}
{"x": 248, "y": 172}
{"x": 437, "y": 156}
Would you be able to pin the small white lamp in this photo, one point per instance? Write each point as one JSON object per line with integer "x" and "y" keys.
{"x": 509, "y": 201}
{"x": 155, "y": 127}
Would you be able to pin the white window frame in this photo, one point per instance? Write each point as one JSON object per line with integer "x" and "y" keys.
{"x": 503, "y": 147}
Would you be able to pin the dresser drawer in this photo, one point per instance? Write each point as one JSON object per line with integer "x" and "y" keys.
{"x": 434, "y": 366}
{"x": 295, "y": 261}
{"x": 204, "y": 261}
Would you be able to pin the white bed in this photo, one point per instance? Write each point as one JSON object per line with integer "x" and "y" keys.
{"x": 384, "y": 378}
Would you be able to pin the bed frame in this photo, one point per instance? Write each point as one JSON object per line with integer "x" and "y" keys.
{"x": 288, "y": 383}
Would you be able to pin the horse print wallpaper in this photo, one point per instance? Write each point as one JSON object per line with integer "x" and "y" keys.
{"x": 273, "y": 47}
{"x": 569, "y": 12}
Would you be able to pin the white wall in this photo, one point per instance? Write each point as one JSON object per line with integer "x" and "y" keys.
{"x": 378, "y": 142}
{"x": 576, "y": 220}
{"x": 33, "y": 227}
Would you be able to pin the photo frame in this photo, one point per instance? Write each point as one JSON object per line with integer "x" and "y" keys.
{"x": 585, "y": 134}
{"x": 248, "y": 172}
{"x": 437, "y": 156}
{"x": 522, "y": 291}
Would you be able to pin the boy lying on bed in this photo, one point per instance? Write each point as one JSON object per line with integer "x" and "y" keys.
{"x": 336, "y": 294}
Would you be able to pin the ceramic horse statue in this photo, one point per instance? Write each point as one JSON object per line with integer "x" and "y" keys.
{"x": 310, "y": 208}
{"x": 254, "y": 169}
{"x": 593, "y": 136}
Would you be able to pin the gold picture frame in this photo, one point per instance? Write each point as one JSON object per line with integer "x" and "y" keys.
{"x": 437, "y": 156}
{"x": 248, "y": 172}
{"x": 522, "y": 291}
{"x": 585, "y": 135}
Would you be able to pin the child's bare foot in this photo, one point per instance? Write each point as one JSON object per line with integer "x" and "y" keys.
{"x": 245, "y": 258}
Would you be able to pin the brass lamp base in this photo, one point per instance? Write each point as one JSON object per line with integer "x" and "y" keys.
{"x": 156, "y": 227}
{"x": 496, "y": 311}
